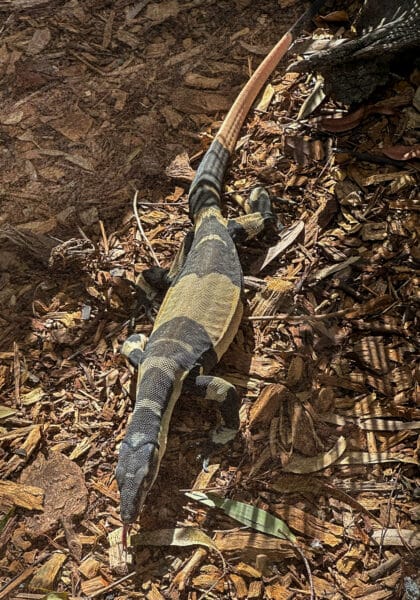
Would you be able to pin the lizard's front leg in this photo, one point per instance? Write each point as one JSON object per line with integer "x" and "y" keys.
{"x": 160, "y": 279}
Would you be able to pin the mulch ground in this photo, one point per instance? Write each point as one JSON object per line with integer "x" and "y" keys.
{"x": 104, "y": 102}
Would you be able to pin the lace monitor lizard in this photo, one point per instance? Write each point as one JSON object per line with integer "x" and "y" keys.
{"x": 201, "y": 311}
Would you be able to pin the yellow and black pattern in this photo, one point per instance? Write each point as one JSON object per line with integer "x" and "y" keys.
{"x": 196, "y": 323}
{"x": 201, "y": 311}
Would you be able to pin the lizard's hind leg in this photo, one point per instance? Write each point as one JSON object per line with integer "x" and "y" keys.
{"x": 259, "y": 216}
{"x": 225, "y": 394}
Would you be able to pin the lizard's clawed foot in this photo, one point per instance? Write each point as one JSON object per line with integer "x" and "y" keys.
{"x": 219, "y": 437}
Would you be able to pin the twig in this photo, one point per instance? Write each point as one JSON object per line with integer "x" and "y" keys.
{"x": 141, "y": 230}
{"x": 207, "y": 593}
{"x": 112, "y": 585}
{"x": 177, "y": 203}
{"x": 88, "y": 64}
{"x": 299, "y": 318}
{"x": 308, "y": 569}
{"x": 384, "y": 568}
{"x": 388, "y": 513}
{"x": 182, "y": 577}
{"x": 104, "y": 237}
{"x": 16, "y": 373}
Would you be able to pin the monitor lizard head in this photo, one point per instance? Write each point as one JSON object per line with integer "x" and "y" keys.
{"x": 136, "y": 472}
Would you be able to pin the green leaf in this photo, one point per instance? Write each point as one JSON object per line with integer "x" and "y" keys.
{"x": 249, "y": 515}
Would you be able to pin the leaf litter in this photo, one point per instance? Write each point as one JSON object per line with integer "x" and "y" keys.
{"x": 324, "y": 360}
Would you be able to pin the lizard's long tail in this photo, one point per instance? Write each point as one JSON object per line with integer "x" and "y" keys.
{"x": 206, "y": 187}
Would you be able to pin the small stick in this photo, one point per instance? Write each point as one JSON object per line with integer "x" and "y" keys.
{"x": 16, "y": 373}
{"x": 105, "y": 239}
{"x": 384, "y": 568}
{"x": 112, "y": 585}
{"x": 88, "y": 64}
{"x": 299, "y": 318}
{"x": 177, "y": 203}
{"x": 181, "y": 578}
{"x": 141, "y": 230}
{"x": 308, "y": 569}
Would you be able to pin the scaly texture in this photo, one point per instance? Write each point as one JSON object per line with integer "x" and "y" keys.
{"x": 353, "y": 68}
{"x": 201, "y": 312}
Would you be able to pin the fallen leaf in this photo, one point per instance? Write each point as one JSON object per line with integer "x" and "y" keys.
{"x": 331, "y": 269}
{"x": 339, "y": 123}
{"x": 180, "y": 536}
{"x": 64, "y": 486}
{"x": 286, "y": 238}
{"x": 318, "y": 462}
{"x": 266, "y": 98}
{"x": 39, "y": 41}
{"x": 372, "y": 458}
{"x": 336, "y": 16}
{"x": 249, "y": 515}
{"x": 315, "y": 99}
{"x": 387, "y": 425}
{"x": 6, "y": 411}
{"x": 160, "y": 11}
{"x": 400, "y": 152}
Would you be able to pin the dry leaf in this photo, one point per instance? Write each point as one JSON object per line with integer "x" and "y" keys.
{"x": 159, "y": 11}
{"x": 266, "y": 98}
{"x": 39, "y": 41}
{"x": 319, "y": 462}
{"x": 267, "y": 403}
{"x": 400, "y": 152}
{"x": 286, "y": 238}
{"x": 64, "y": 487}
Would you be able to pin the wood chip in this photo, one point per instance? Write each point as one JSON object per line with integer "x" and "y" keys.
{"x": 19, "y": 494}
{"x": 44, "y": 578}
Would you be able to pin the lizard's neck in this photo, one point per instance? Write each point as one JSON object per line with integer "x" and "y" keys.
{"x": 159, "y": 386}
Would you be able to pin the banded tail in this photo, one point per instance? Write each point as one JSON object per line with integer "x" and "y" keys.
{"x": 206, "y": 187}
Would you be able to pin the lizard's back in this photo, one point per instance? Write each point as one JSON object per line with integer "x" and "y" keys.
{"x": 203, "y": 306}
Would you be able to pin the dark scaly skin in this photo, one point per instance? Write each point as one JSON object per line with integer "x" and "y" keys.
{"x": 199, "y": 316}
